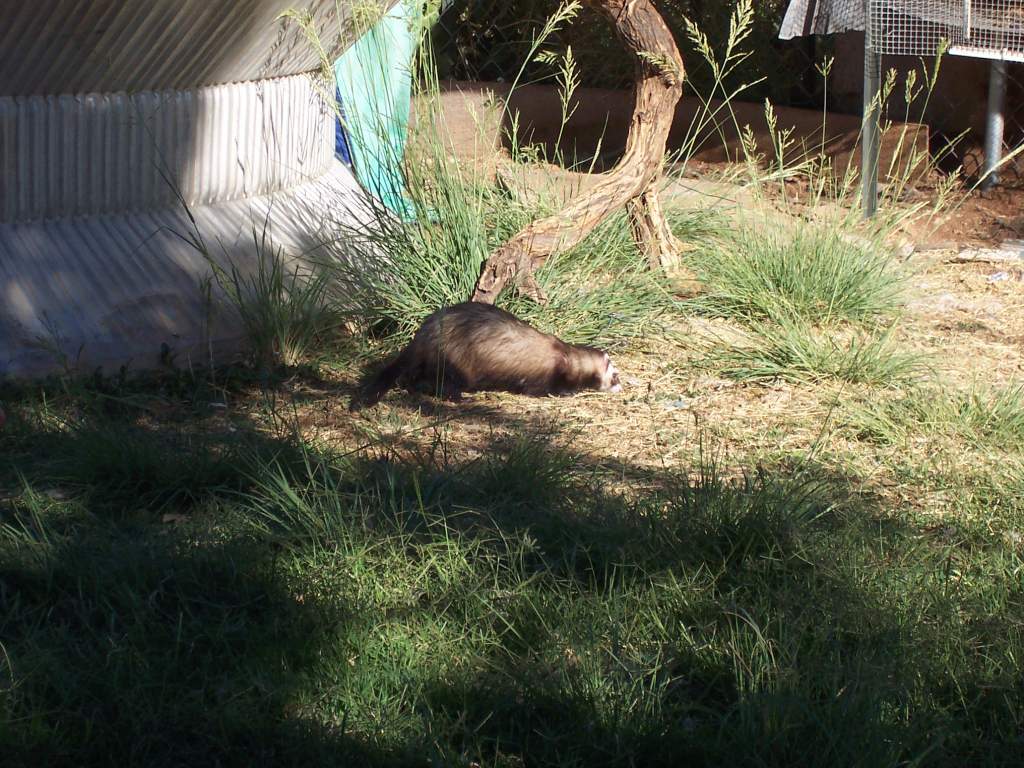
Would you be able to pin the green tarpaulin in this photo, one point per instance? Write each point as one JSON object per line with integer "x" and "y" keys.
{"x": 374, "y": 82}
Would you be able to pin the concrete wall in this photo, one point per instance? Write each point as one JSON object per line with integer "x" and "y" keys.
{"x": 601, "y": 120}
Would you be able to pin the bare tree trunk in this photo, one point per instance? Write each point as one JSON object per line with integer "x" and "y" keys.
{"x": 659, "y": 84}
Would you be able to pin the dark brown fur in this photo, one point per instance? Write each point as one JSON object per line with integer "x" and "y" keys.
{"x": 472, "y": 347}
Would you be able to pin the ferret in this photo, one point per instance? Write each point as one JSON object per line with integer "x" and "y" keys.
{"x": 471, "y": 347}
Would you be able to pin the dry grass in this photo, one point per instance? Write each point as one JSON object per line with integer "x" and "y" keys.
{"x": 974, "y": 327}
{"x": 751, "y": 546}
{"x": 972, "y": 331}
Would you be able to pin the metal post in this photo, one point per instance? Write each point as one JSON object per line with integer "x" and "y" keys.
{"x": 872, "y": 128}
{"x": 994, "y": 123}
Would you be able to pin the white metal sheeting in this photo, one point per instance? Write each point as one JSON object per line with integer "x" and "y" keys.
{"x": 103, "y": 46}
{"x": 108, "y": 290}
{"x": 121, "y": 118}
{"x": 108, "y": 153}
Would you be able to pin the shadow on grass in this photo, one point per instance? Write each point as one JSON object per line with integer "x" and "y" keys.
{"x": 145, "y": 650}
{"x": 514, "y": 608}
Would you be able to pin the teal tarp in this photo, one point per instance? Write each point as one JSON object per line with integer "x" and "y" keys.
{"x": 374, "y": 79}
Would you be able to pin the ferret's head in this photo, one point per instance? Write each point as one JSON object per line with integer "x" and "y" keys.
{"x": 609, "y": 375}
{"x": 591, "y": 368}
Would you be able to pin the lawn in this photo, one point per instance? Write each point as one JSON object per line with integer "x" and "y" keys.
{"x": 717, "y": 567}
{"x": 795, "y": 539}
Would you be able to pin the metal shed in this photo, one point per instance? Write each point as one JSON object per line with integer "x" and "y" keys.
{"x": 117, "y": 114}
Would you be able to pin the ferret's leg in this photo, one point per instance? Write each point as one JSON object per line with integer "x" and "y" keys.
{"x": 452, "y": 385}
{"x": 373, "y": 390}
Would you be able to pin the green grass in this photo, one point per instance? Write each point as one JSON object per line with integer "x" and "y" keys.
{"x": 284, "y": 307}
{"x": 808, "y": 272}
{"x": 600, "y": 292}
{"x": 981, "y": 417}
{"x": 802, "y": 354}
{"x": 516, "y": 608}
{"x": 185, "y": 588}
{"x": 813, "y": 303}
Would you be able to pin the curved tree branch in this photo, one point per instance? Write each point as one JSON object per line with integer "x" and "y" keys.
{"x": 659, "y": 84}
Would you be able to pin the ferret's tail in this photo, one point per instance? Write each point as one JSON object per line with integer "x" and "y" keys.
{"x": 373, "y": 389}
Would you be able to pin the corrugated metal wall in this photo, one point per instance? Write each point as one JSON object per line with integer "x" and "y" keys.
{"x": 104, "y": 46}
{"x": 108, "y": 290}
{"x": 105, "y": 153}
{"x": 117, "y": 114}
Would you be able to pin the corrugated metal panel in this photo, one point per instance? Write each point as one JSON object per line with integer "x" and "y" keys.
{"x": 108, "y": 290}
{"x": 105, "y": 153}
{"x": 103, "y": 46}
{"x": 821, "y": 17}
{"x": 99, "y": 101}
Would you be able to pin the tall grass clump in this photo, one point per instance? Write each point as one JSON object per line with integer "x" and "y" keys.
{"x": 409, "y": 263}
{"x": 980, "y": 417}
{"x": 599, "y": 292}
{"x": 283, "y": 301}
{"x": 812, "y": 293}
{"x": 810, "y": 304}
{"x": 803, "y": 354}
{"x": 430, "y": 260}
{"x": 805, "y": 272}
{"x": 285, "y": 307}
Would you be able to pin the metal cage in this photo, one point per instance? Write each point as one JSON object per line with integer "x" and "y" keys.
{"x": 988, "y": 29}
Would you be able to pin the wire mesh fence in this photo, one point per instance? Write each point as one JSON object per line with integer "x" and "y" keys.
{"x": 969, "y": 154}
{"x": 983, "y": 28}
{"x": 977, "y": 29}
{"x": 1013, "y": 172}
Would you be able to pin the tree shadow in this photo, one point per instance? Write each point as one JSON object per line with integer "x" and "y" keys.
{"x": 141, "y": 649}
{"x": 722, "y": 619}
{"x": 784, "y": 551}
{"x": 142, "y": 623}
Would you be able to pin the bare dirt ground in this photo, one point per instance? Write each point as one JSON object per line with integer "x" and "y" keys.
{"x": 982, "y": 219}
{"x": 966, "y": 317}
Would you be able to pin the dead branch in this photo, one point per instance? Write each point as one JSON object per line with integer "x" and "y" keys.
{"x": 632, "y": 183}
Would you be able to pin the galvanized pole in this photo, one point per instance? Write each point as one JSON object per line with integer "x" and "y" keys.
{"x": 872, "y": 128}
{"x": 994, "y": 123}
